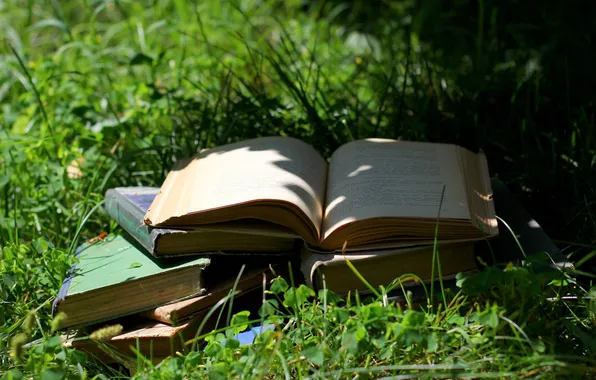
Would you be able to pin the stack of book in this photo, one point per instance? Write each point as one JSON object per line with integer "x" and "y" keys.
{"x": 231, "y": 217}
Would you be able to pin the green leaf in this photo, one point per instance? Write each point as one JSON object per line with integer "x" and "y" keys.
{"x": 379, "y": 342}
{"x": 53, "y": 342}
{"x": 413, "y": 319}
{"x": 135, "y": 265}
{"x": 268, "y": 308}
{"x": 240, "y": 321}
{"x": 192, "y": 360}
{"x": 372, "y": 311}
{"x": 461, "y": 278}
{"x": 175, "y": 364}
{"x": 315, "y": 355}
{"x": 213, "y": 349}
{"x": 489, "y": 317}
{"x": 456, "y": 320}
{"x": 410, "y": 336}
{"x": 539, "y": 346}
{"x": 21, "y": 125}
{"x": 232, "y": 343}
{"x": 352, "y": 337}
{"x": 53, "y": 374}
{"x": 218, "y": 372}
{"x": 279, "y": 285}
{"x": 331, "y": 297}
{"x": 55, "y": 186}
{"x": 78, "y": 357}
{"x": 8, "y": 280}
{"x": 360, "y": 332}
{"x": 61, "y": 355}
{"x": 342, "y": 315}
{"x": 39, "y": 245}
{"x": 296, "y": 297}
{"x": 431, "y": 342}
{"x": 559, "y": 282}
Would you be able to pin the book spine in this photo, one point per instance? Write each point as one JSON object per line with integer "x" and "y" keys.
{"x": 63, "y": 292}
{"x": 310, "y": 261}
{"x": 130, "y": 217}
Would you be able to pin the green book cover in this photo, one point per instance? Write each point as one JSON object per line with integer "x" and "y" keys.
{"x": 114, "y": 261}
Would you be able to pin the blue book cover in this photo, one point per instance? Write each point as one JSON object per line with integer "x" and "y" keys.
{"x": 127, "y": 206}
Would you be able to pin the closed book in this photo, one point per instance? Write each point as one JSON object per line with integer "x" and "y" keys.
{"x": 152, "y": 339}
{"x": 382, "y": 267}
{"x": 128, "y": 205}
{"x": 115, "y": 277}
{"x": 221, "y": 282}
{"x": 155, "y": 339}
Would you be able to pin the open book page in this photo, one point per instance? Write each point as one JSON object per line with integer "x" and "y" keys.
{"x": 268, "y": 168}
{"x": 378, "y": 178}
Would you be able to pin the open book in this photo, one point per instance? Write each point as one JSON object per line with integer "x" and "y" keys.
{"x": 371, "y": 193}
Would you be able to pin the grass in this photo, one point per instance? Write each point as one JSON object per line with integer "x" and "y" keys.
{"x": 97, "y": 94}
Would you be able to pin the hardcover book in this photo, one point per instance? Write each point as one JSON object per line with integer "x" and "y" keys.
{"x": 128, "y": 205}
{"x": 381, "y": 267}
{"x": 219, "y": 283}
{"x": 114, "y": 277}
{"x": 155, "y": 339}
{"x": 370, "y": 194}
{"x": 151, "y": 338}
